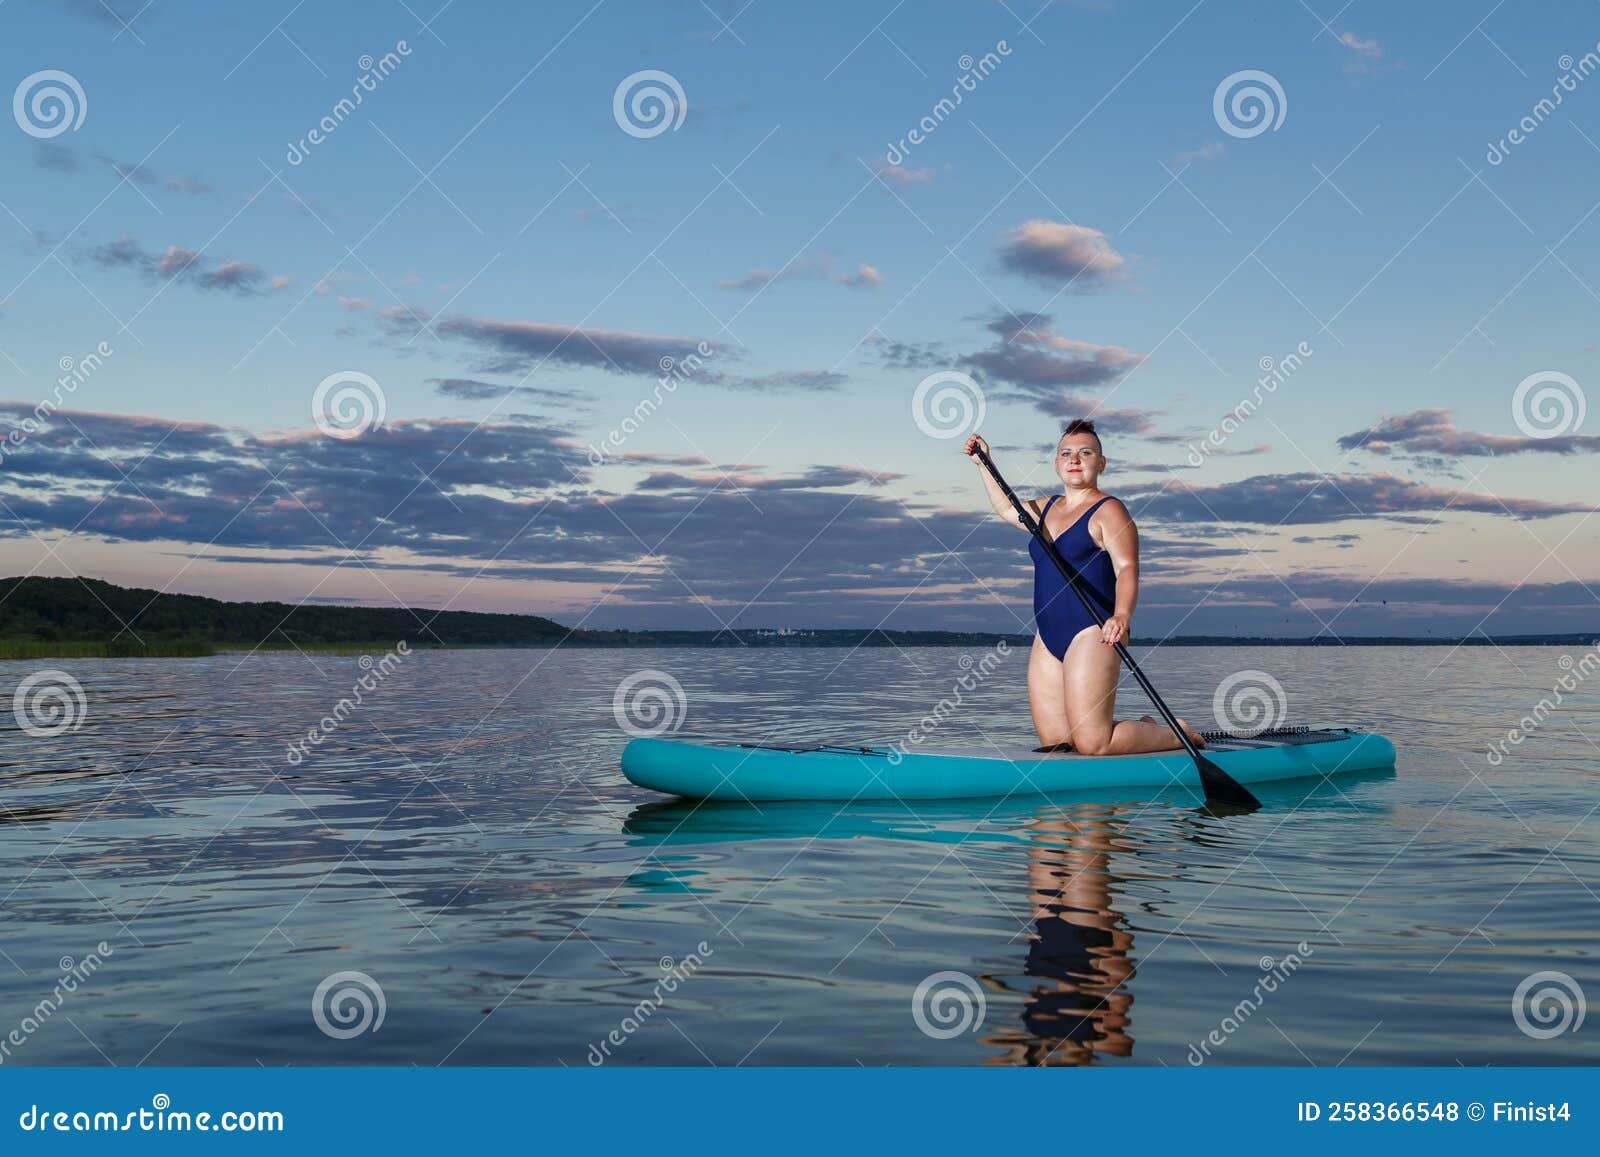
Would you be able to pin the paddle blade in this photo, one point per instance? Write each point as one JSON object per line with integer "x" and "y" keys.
{"x": 1222, "y": 788}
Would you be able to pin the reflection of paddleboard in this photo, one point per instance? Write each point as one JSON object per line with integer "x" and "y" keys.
{"x": 750, "y": 772}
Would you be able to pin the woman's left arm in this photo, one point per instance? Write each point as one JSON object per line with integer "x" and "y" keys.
{"x": 1119, "y": 538}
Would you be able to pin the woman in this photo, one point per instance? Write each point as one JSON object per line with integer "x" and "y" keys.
{"x": 1073, "y": 668}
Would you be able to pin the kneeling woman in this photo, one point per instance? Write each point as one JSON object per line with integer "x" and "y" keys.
{"x": 1072, "y": 671}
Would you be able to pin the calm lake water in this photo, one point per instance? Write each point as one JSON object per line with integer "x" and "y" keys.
{"x": 466, "y": 841}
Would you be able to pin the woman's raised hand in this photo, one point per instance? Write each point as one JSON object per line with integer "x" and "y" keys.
{"x": 974, "y": 444}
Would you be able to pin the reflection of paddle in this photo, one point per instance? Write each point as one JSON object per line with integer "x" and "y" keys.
{"x": 1219, "y": 786}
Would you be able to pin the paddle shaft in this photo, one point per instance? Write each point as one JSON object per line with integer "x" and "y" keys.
{"x": 1035, "y": 528}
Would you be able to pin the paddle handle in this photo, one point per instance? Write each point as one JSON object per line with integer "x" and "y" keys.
{"x": 1074, "y": 581}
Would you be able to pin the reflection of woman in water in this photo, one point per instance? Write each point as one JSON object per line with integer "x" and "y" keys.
{"x": 1078, "y": 954}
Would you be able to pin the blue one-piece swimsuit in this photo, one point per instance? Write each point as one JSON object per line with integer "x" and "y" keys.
{"x": 1056, "y": 610}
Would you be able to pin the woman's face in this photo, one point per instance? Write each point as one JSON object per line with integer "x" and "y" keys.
{"x": 1079, "y": 461}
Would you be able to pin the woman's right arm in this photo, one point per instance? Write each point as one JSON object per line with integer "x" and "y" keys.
{"x": 997, "y": 497}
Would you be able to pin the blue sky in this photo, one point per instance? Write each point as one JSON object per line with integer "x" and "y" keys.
{"x": 482, "y": 239}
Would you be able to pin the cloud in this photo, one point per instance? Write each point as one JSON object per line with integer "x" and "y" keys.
{"x": 520, "y": 346}
{"x": 1311, "y": 499}
{"x": 903, "y": 177}
{"x": 1206, "y": 152}
{"x": 901, "y": 355}
{"x": 787, "y": 381}
{"x": 863, "y": 275}
{"x": 354, "y": 304}
{"x": 1058, "y": 255}
{"x": 1435, "y": 431}
{"x": 1040, "y": 362}
{"x": 472, "y": 390}
{"x": 179, "y": 263}
{"x": 819, "y": 268}
{"x": 1370, "y": 49}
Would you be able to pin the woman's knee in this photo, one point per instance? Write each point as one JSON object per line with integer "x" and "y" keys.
{"x": 1092, "y": 740}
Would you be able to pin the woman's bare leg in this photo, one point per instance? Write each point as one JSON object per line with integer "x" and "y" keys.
{"x": 1046, "y": 701}
{"x": 1090, "y": 681}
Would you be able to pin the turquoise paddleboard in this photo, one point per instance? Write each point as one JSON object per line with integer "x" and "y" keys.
{"x": 756, "y": 772}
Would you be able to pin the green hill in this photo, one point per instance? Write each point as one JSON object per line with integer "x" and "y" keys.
{"x": 39, "y": 615}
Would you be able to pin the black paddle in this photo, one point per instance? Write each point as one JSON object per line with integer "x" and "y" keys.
{"x": 1219, "y": 786}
